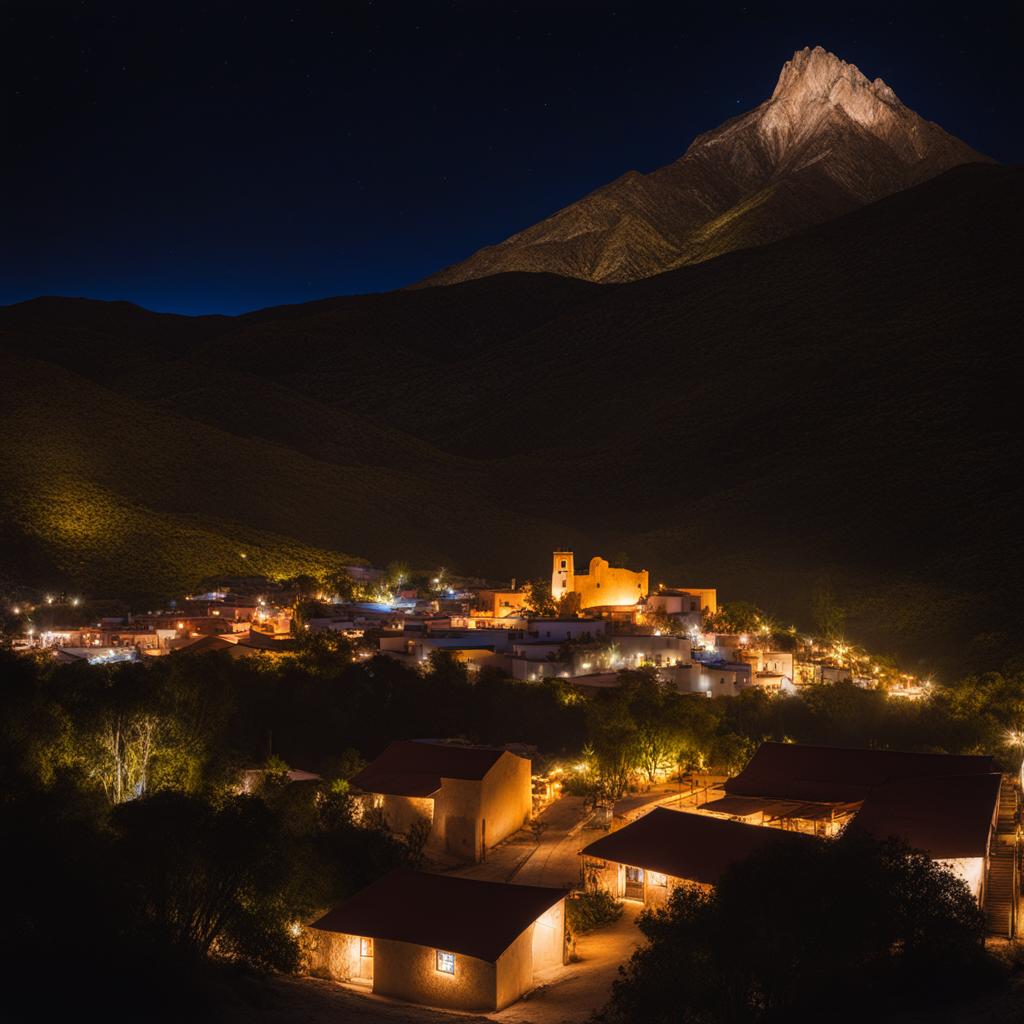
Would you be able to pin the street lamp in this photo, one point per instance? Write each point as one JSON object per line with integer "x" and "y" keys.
{"x": 1015, "y": 737}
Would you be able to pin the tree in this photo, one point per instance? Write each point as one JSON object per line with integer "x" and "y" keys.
{"x": 615, "y": 740}
{"x": 211, "y": 878}
{"x": 395, "y": 574}
{"x": 659, "y": 729}
{"x": 797, "y": 923}
{"x": 735, "y": 617}
{"x": 539, "y": 601}
{"x": 569, "y": 605}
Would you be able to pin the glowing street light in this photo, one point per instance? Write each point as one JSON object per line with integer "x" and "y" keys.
{"x": 1015, "y": 737}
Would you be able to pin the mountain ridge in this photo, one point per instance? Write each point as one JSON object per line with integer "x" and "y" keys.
{"x": 826, "y": 141}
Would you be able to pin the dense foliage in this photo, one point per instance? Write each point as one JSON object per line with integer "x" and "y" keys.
{"x": 122, "y": 809}
{"x": 853, "y": 926}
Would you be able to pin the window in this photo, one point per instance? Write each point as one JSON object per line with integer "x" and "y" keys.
{"x": 366, "y": 947}
{"x": 563, "y": 563}
{"x": 656, "y": 878}
{"x": 445, "y": 962}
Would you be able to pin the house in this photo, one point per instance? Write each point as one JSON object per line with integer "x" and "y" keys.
{"x": 684, "y": 604}
{"x": 646, "y": 859}
{"x": 797, "y": 771}
{"x": 469, "y": 797}
{"x": 953, "y": 820}
{"x": 944, "y": 804}
{"x": 445, "y": 941}
{"x": 601, "y": 587}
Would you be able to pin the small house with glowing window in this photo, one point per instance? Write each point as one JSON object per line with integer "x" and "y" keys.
{"x": 468, "y": 797}
{"x": 439, "y": 940}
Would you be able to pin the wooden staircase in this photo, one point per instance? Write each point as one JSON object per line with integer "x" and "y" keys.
{"x": 1002, "y": 887}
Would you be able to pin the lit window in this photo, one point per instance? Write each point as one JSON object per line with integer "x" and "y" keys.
{"x": 445, "y": 962}
{"x": 656, "y": 878}
{"x": 366, "y": 947}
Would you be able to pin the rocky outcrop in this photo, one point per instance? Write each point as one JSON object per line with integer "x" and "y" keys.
{"x": 827, "y": 141}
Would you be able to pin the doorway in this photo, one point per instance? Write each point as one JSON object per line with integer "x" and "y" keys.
{"x": 633, "y": 886}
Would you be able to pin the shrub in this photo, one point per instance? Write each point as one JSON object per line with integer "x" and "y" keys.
{"x": 588, "y": 911}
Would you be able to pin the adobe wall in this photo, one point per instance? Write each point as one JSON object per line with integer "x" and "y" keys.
{"x": 457, "y": 812}
{"x": 548, "y": 942}
{"x": 515, "y": 969}
{"x": 334, "y": 955}
{"x": 403, "y": 970}
{"x": 604, "y": 585}
{"x": 403, "y": 812}
{"x": 507, "y": 797}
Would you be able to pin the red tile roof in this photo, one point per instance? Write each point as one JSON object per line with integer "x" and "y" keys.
{"x": 946, "y": 818}
{"x": 458, "y": 915}
{"x": 415, "y": 768}
{"x": 794, "y": 771}
{"x": 696, "y": 847}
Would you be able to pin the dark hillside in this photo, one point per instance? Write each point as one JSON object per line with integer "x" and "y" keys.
{"x": 838, "y": 404}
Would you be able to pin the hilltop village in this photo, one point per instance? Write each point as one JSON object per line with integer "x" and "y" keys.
{"x": 586, "y": 625}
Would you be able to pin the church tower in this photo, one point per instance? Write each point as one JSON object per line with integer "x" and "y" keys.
{"x": 563, "y": 577}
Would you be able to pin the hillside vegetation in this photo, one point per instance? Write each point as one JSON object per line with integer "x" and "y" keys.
{"x": 835, "y": 408}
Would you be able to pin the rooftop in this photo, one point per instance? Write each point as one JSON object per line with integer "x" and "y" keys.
{"x": 839, "y": 774}
{"x": 415, "y": 768}
{"x": 944, "y": 817}
{"x": 459, "y": 915}
{"x": 686, "y": 845}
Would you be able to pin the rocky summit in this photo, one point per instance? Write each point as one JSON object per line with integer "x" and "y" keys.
{"x": 827, "y": 141}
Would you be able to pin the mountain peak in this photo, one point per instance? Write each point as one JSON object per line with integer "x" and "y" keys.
{"x": 814, "y": 82}
{"x": 826, "y": 141}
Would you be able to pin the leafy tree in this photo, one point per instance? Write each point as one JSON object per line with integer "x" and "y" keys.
{"x": 797, "y": 923}
{"x": 735, "y": 617}
{"x": 539, "y": 601}
{"x": 210, "y": 878}
{"x": 395, "y": 574}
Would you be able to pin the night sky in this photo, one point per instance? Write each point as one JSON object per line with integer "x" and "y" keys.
{"x": 199, "y": 158}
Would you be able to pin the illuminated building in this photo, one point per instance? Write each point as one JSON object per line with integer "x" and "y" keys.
{"x": 443, "y": 941}
{"x": 470, "y": 797}
{"x": 601, "y": 587}
{"x": 646, "y": 859}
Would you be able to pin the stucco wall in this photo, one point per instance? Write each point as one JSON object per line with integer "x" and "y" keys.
{"x": 515, "y": 969}
{"x": 457, "y": 812}
{"x": 334, "y": 955}
{"x": 604, "y": 585}
{"x": 548, "y": 942}
{"x": 403, "y": 970}
{"x": 402, "y": 812}
{"x": 610, "y": 876}
{"x": 507, "y": 797}
{"x": 503, "y": 798}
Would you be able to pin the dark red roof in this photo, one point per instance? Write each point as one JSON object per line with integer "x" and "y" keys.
{"x": 944, "y": 817}
{"x": 459, "y": 915}
{"x": 686, "y": 845}
{"x": 794, "y": 771}
{"x": 415, "y": 768}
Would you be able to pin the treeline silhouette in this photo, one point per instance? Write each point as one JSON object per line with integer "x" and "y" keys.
{"x": 142, "y": 870}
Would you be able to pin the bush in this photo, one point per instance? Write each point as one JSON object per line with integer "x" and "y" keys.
{"x": 794, "y": 925}
{"x": 588, "y": 911}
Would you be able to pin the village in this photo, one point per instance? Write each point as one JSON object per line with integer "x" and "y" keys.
{"x": 585, "y": 626}
{"x": 516, "y": 847}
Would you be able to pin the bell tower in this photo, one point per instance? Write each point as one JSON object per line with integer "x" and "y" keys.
{"x": 563, "y": 577}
